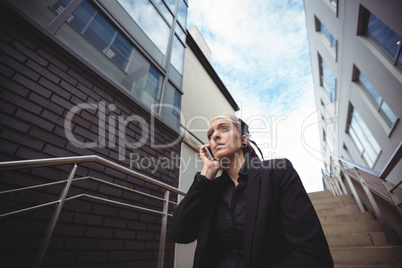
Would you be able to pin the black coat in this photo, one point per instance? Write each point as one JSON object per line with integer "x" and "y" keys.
{"x": 281, "y": 227}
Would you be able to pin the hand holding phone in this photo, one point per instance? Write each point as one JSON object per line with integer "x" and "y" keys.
{"x": 209, "y": 153}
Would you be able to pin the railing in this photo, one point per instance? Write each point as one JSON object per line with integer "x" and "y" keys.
{"x": 371, "y": 182}
{"x": 75, "y": 160}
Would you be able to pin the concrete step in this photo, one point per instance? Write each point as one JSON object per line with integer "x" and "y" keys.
{"x": 333, "y": 204}
{"x": 352, "y": 228}
{"x": 368, "y": 256}
{"x": 357, "y": 240}
{"x": 346, "y": 198}
{"x": 348, "y": 209}
{"x": 357, "y": 216}
{"x": 320, "y": 195}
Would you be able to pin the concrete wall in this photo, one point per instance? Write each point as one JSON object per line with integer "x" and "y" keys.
{"x": 40, "y": 82}
{"x": 202, "y": 101}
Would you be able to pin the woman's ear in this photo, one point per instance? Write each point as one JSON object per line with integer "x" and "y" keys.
{"x": 244, "y": 139}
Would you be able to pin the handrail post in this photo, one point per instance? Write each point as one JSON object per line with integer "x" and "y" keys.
{"x": 162, "y": 241}
{"x": 338, "y": 177}
{"x": 336, "y": 183}
{"x": 54, "y": 219}
{"x": 352, "y": 187}
{"x": 393, "y": 196}
{"x": 393, "y": 161}
{"x": 377, "y": 210}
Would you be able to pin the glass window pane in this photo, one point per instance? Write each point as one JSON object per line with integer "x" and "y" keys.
{"x": 328, "y": 81}
{"x": 177, "y": 100}
{"x": 370, "y": 89}
{"x": 171, "y": 107}
{"x": 364, "y": 140}
{"x": 171, "y": 4}
{"x": 355, "y": 139}
{"x": 100, "y": 32}
{"x": 177, "y": 59}
{"x": 182, "y": 14}
{"x": 369, "y": 159}
{"x": 82, "y": 15}
{"x": 179, "y": 31}
{"x": 326, "y": 33}
{"x": 150, "y": 21}
{"x": 152, "y": 85}
{"x": 164, "y": 10}
{"x": 115, "y": 56}
{"x": 122, "y": 45}
{"x": 384, "y": 35}
{"x": 378, "y": 102}
{"x": 388, "y": 113}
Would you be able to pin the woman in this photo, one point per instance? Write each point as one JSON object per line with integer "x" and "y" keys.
{"x": 255, "y": 214}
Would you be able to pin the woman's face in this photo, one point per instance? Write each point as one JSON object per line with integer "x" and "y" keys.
{"x": 224, "y": 139}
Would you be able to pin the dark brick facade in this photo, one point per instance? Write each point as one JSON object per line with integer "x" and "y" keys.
{"x": 40, "y": 83}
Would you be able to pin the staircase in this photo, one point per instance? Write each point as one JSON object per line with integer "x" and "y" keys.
{"x": 355, "y": 238}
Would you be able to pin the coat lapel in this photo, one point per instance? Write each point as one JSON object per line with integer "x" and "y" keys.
{"x": 253, "y": 196}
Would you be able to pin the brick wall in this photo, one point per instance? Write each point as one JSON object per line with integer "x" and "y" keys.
{"x": 40, "y": 83}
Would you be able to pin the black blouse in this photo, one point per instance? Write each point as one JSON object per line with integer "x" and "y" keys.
{"x": 229, "y": 220}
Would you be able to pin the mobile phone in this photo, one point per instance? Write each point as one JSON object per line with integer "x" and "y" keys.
{"x": 209, "y": 153}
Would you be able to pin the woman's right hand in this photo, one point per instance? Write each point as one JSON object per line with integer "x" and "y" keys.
{"x": 210, "y": 167}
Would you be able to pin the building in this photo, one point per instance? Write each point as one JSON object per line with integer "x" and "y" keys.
{"x": 357, "y": 73}
{"x": 83, "y": 77}
{"x": 355, "y": 49}
{"x": 205, "y": 96}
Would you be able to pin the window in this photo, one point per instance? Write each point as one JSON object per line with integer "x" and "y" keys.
{"x": 171, "y": 113}
{"x": 153, "y": 82}
{"x": 125, "y": 41}
{"x": 326, "y": 34}
{"x": 383, "y": 37}
{"x": 97, "y": 30}
{"x": 149, "y": 20}
{"x": 171, "y": 4}
{"x": 363, "y": 139}
{"x": 327, "y": 80}
{"x": 177, "y": 55}
{"x": 182, "y": 14}
{"x": 101, "y": 38}
{"x": 375, "y": 98}
{"x": 164, "y": 10}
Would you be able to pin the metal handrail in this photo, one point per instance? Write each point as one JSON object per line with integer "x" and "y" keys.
{"x": 353, "y": 164}
{"x": 393, "y": 161}
{"x": 82, "y": 159}
{"x": 333, "y": 179}
{"x": 11, "y": 165}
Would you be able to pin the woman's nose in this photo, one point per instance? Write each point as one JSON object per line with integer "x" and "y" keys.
{"x": 216, "y": 135}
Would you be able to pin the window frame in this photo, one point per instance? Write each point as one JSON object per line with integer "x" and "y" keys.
{"x": 363, "y": 30}
{"x": 375, "y": 104}
{"x": 322, "y": 80}
{"x": 359, "y": 139}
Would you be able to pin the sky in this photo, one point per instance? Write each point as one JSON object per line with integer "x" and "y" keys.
{"x": 260, "y": 51}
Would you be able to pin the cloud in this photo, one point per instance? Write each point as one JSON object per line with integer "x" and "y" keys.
{"x": 260, "y": 51}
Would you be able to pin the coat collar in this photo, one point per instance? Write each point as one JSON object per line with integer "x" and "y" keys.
{"x": 253, "y": 196}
